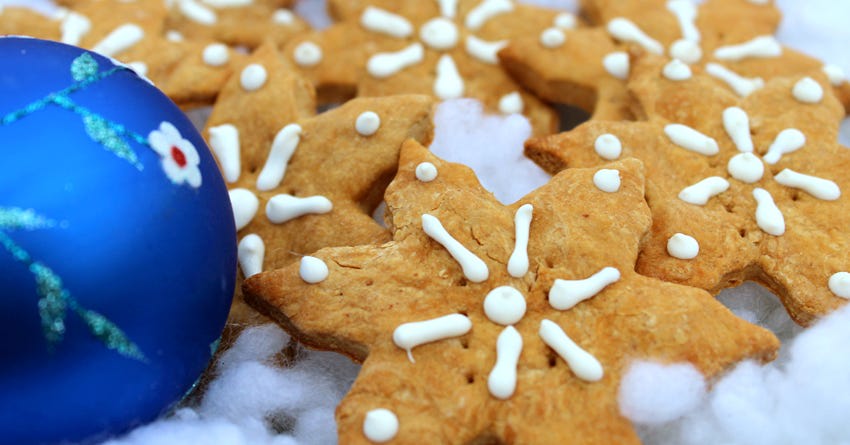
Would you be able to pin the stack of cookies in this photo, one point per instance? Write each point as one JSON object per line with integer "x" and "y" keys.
{"x": 709, "y": 159}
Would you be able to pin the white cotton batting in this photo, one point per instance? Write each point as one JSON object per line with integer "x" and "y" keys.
{"x": 654, "y": 393}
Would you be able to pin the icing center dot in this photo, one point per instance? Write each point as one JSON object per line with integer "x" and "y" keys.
{"x": 439, "y": 33}
{"x": 504, "y": 305}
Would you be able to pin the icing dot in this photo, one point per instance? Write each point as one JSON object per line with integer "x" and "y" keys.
{"x": 617, "y": 65}
{"x": 380, "y": 425}
{"x": 677, "y": 71}
{"x": 608, "y": 147}
{"x": 552, "y": 38}
{"x": 504, "y": 305}
{"x": 307, "y": 54}
{"x": 835, "y": 73}
{"x": 313, "y": 270}
{"x": 808, "y": 91}
{"x": 173, "y": 36}
{"x": 216, "y": 54}
{"x": 686, "y": 50}
{"x": 565, "y": 20}
{"x": 746, "y": 167}
{"x": 439, "y": 33}
{"x": 607, "y": 180}
{"x": 426, "y": 172}
{"x": 511, "y": 103}
{"x": 682, "y": 246}
{"x": 253, "y": 77}
{"x": 839, "y": 284}
{"x": 368, "y": 123}
{"x": 283, "y": 17}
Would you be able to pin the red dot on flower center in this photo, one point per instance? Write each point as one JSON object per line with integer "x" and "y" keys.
{"x": 178, "y": 156}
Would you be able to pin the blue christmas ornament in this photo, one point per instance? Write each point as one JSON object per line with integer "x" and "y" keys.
{"x": 117, "y": 247}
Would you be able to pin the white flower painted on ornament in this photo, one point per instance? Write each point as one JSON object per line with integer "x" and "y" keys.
{"x": 506, "y": 306}
{"x": 179, "y": 157}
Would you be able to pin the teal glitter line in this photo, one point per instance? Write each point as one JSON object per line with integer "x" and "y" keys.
{"x": 12, "y": 218}
{"x": 56, "y": 300}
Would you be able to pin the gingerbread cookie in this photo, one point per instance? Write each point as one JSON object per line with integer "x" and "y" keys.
{"x": 441, "y": 48}
{"x": 740, "y": 189}
{"x": 190, "y": 72}
{"x": 588, "y": 67}
{"x": 481, "y": 323}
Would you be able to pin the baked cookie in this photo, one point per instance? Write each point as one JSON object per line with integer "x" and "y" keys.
{"x": 740, "y": 189}
{"x": 588, "y": 67}
{"x": 299, "y": 183}
{"x": 190, "y": 72}
{"x": 443, "y": 48}
{"x": 481, "y": 323}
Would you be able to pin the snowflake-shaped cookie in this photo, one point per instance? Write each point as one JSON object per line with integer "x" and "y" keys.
{"x": 740, "y": 189}
{"x": 481, "y": 323}
{"x": 299, "y": 183}
{"x": 587, "y": 67}
{"x": 443, "y": 48}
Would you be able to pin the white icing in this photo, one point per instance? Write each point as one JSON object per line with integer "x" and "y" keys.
{"x": 582, "y": 363}
{"x": 224, "y": 141}
{"x": 768, "y": 217}
{"x": 686, "y": 13}
{"x": 518, "y": 262}
{"x": 617, "y": 64}
{"x": 448, "y": 8}
{"x": 686, "y": 50}
{"x": 677, "y": 71}
{"x": 174, "y": 36}
{"x": 367, "y": 123}
{"x": 307, "y": 54}
{"x": 224, "y": 3}
{"x": 762, "y": 46}
{"x": 835, "y": 74}
{"x": 383, "y": 65}
{"x": 245, "y": 205}
{"x": 788, "y": 141}
{"x": 701, "y": 192}
{"x": 282, "y": 208}
{"x": 565, "y": 20}
{"x": 692, "y": 140}
{"x": 839, "y": 284}
{"x": 439, "y": 33}
{"x": 140, "y": 68}
{"x": 567, "y": 293}
{"x": 683, "y": 247}
{"x": 552, "y": 38}
{"x": 426, "y": 172}
{"x": 380, "y": 425}
{"x": 197, "y": 12}
{"x": 511, "y": 103}
{"x": 385, "y": 22}
{"x": 483, "y": 50}
{"x": 746, "y": 167}
{"x": 253, "y": 77}
{"x": 119, "y": 40}
{"x": 251, "y": 253}
{"x": 410, "y": 335}
{"x": 485, "y": 11}
{"x": 313, "y": 270}
{"x": 808, "y": 91}
{"x": 474, "y": 268}
{"x": 283, "y": 17}
{"x": 502, "y": 379}
{"x": 818, "y": 187}
{"x": 74, "y": 27}
{"x": 737, "y": 125}
{"x": 607, "y": 180}
{"x": 283, "y": 147}
{"x": 625, "y": 30}
{"x": 742, "y": 86}
{"x": 608, "y": 147}
{"x": 504, "y": 305}
{"x": 449, "y": 84}
{"x": 215, "y": 54}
